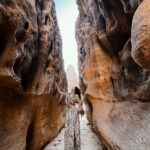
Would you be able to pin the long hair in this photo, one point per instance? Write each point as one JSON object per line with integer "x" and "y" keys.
{"x": 77, "y": 91}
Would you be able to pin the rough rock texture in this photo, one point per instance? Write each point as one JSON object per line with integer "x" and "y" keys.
{"x": 30, "y": 67}
{"x": 72, "y": 77}
{"x": 114, "y": 60}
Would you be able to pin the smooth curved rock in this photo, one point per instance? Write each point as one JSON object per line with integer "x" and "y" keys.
{"x": 140, "y": 35}
{"x": 115, "y": 85}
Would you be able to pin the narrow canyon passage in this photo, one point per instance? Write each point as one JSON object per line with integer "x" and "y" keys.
{"x": 88, "y": 139}
{"x": 76, "y": 135}
{"x": 107, "y": 42}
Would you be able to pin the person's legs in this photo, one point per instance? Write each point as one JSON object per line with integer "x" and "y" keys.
{"x": 69, "y": 130}
{"x": 77, "y": 143}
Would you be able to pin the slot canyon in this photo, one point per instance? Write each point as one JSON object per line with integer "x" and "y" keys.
{"x": 113, "y": 45}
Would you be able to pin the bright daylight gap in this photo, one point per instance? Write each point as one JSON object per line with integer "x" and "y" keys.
{"x": 67, "y": 13}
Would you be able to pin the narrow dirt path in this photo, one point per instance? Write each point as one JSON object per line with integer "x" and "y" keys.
{"x": 77, "y": 135}
{"x": 89, "y": 140}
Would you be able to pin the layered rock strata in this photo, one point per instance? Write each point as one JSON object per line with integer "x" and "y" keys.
{"x": 113, "y": 49}
{"x": 31, "y": 65}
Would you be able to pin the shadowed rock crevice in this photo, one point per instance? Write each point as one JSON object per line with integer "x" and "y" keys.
{"x": 30, "y": 135}
{"x": 6, "y": 29}
{"x": 3, "y": 38}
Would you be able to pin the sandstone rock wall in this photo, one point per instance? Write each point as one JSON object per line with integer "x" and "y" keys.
{"x": 31, "y": 65}
{"x": 113, "y": 49}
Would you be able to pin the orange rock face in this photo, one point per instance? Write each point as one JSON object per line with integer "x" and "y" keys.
{"x": 113, "y": 47}
{"x": 31, "y": 65}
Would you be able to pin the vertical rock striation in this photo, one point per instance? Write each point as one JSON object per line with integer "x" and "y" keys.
{"x": 31, "y": 65}
{"x": 113, "y": 51}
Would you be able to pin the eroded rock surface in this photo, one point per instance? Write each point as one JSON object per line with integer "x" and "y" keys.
{"x": 113, "y": 48}
{"x": 31, "y": 65}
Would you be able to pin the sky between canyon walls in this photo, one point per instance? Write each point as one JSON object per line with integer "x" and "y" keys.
{"x": 67, "y": 13}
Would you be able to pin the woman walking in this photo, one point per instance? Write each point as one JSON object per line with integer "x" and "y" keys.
{"x": 72, "y": 126}
{"x": 79, "y": 101}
